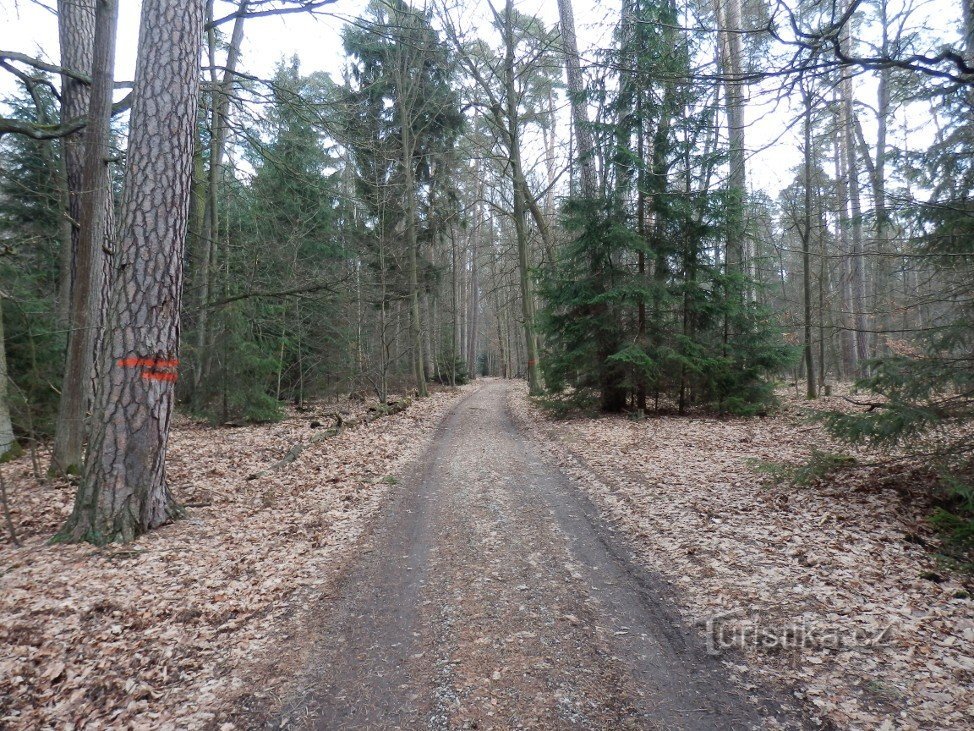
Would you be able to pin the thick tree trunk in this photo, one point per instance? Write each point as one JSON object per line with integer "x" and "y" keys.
{"x": 123, "y": 492}
{"x": 576, "y": 95}
{"x": 89, "y": 260}
{"x": 728, "y": 14}
{"x": 76, "y": 33}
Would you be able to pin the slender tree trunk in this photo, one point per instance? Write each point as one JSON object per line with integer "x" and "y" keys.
{"x": 89, "y": 259}
{"x": 823, "y": 282}
{"x": 474, "y": 295}
{"x": 123, "y": 492}
{"x": 856, "y": 259}
{"x": 7, "y": 442}
{"x": 550, "y": 160}
{"x": 882, "y": 304}
{"x": 415, "y": 326}
{"x": 847, "y": 337}
{"x": 219, "y": 113}
{"x": 520, "y": 196}
{"x": 76, "y": 31}
{"x": 806, "y": 236}
{"x": 642, "y": 188}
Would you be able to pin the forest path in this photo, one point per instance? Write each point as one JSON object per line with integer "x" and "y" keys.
{"x": 490, "y": 596}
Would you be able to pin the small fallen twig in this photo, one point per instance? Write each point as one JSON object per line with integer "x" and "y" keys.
{"x": 873, "y": 405}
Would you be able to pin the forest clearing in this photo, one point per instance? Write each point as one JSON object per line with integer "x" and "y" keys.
{"x": 437, "y": 364}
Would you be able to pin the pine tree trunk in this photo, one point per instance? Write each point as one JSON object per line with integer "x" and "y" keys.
{"x": 89, "y": 259}
{"x": 123, "y": 492}
{"x": 576, "y": 96}
{"x": 728, "y": 13}
{"x": 76, "y": 33}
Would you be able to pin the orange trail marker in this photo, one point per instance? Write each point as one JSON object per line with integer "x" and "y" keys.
{"x": 135, "y": 362}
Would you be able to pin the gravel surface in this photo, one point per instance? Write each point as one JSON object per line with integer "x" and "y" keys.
{"x": 490, "y": 596}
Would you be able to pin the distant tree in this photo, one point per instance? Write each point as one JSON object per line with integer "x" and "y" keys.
{"x": 403, "y": 114}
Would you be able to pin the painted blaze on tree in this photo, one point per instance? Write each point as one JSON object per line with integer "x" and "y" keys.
{"x": 123, "y": 491}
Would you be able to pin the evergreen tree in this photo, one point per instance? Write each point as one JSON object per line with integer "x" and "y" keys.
{"x": 640, "y": 301}
{"x": 277, "y": 313}
{"x": 30, "y": 218}
{"x": 401, "y": 123}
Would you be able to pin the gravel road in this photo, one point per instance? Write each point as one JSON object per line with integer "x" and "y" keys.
{"x": 490, "y": 596}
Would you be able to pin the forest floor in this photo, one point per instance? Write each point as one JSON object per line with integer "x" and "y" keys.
{"x": 833, "y": 589}
{"x": 165, "y": 631}
{"x": 491, "y": 596}
{"x": 471, "y": 563}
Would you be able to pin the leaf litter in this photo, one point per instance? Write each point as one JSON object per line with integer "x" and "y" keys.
{"x": 832, "y": 589}
{"x": 169, "y": 630}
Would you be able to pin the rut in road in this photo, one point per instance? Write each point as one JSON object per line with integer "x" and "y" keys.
{"x": 490, "y": 596}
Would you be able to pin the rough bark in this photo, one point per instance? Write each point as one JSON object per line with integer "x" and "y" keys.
{"x": 89, "y": 251}
{"x": 76, "y": 33}
{"x": 576, "y": 95}
{"x": 728, "y": 14}
{"x": 123, "y": 492}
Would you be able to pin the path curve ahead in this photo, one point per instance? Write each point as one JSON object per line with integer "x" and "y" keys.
{"x": 490, "y": 596}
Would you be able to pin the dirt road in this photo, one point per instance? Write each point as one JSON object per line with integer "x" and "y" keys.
{"x": 490, "y": 596}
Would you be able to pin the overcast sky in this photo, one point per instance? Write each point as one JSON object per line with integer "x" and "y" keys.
{"x": 29, "y": 27}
